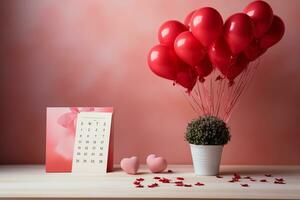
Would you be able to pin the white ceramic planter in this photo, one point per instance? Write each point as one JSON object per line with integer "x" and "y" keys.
{"x": 206, "y": 159}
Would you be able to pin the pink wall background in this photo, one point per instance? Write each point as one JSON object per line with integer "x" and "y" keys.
{"x": 86, "y": 53}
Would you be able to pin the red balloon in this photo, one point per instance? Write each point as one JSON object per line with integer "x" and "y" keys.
{"x": 274, "y": 34}
{"x": 189, "y": 49}
{"x": 186, "y": 77}
{"x": 204, "y": 68}
{"x": 238, "y": 32}
{"x": 163, "y": 61}
{"x": 253, "y": 51}
{"x": 232, "y": 71}
{"x": 206, "y": 25}
{"x": 168, "y": 32}
{"x": 262, "y": 15}
{"x": 187, "y": 20}
{"x": 220, "y": 54}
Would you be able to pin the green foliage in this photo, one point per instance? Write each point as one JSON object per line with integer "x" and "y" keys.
{"x": 207, "y": 130}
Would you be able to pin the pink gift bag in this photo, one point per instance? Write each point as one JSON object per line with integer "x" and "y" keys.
{"x": 60, "y": 137}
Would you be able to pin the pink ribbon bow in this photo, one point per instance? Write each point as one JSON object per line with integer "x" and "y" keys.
{"x": 68, "y": 120}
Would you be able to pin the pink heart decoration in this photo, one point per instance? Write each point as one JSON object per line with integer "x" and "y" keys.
{"x": 156, "y": 164}
{"x": 130, "y": 165}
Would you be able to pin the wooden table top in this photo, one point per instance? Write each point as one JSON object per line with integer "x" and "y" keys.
{"x": 31, "y": 181}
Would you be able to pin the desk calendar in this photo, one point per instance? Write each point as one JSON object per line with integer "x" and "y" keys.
{"x": 79, "y": 140}
{"x": 91, "y": 142}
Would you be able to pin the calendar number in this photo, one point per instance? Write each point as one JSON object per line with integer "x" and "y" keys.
{"x": 91, "y": 140}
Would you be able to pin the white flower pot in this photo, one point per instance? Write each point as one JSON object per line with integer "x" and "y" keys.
{"x": 206, "y": 159}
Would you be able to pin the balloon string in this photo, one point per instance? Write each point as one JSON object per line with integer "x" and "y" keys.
{"x": 208, "y": 98}
{"x": 212, "y": 97}
{"x": 233, "y": 93}
{"x": 219, "y": 83}
{"x": 205, "y": 96}
{"x": 196, "y": 102}
{"x": 191, "y": 104}
{"x": 238, "y": 85}
{"x": 216, "y": 97}
{"x": 200, "y": 97}
{"x": 244, "y": 86}
{"x": 222, "y": 96}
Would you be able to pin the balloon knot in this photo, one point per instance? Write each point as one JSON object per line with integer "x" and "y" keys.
{"x": 231, "y": 83}
{"x": 218, "y": 78}
{"x": 188, "y": 92}
{"x": 201, "y": 79}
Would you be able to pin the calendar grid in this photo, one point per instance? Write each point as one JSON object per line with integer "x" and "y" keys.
{"x": 91, "y": 142}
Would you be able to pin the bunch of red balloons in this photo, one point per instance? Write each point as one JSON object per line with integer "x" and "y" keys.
{"x": 189, "y": 52}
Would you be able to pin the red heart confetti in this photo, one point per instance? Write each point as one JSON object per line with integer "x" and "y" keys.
{"x": 136, "y": 183}
{"x": 279, "y": 182}
{"x": 153, "y": 185}
{"x": 244, "y": 185}
{"x": 187, "y": 185}
{"x": 236, "y": 175}
{"x": 179, "y": 183}
{"x": 234, "y": 179}
{"x": 139, "y": 186}
{"x": 165, "y": 180}
{"x": 279, "y": 179}
{"x": 199, "y": 184}
{"x": 268, "y": 175}
{"x": 170, "y": 171}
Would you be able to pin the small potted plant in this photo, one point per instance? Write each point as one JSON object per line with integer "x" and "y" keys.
{"x": 207, "y": 135}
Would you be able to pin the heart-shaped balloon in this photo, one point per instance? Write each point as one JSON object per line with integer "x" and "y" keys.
{"x": 169, "y": 30}
{"x": 163, "y": 61}
{"x": 156, "y": 164}
{"x": 206, "y": 25}
{"x": 130, "y": 165}
{"x": 238, "y": 32}
{"x": 262, "y": 15}
{"x": 189, "y": 49}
